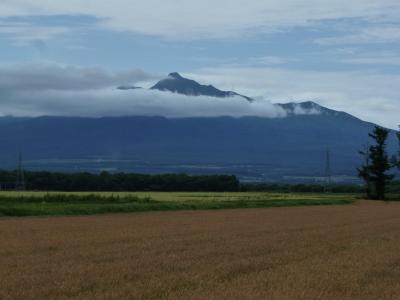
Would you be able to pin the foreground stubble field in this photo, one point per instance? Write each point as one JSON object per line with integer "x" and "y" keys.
{"x": 327, "y": 252}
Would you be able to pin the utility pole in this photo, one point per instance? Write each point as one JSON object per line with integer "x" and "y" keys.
{"x": 328, "y": 175}
{"x": 20, "y": 184}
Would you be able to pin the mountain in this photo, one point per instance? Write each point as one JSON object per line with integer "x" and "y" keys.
{"x": 175, "y": 83}
{"x": 254, "y": 148}
{"x": 251, "y": 147}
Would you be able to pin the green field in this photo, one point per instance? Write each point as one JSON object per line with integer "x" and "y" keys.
{"x": 86, "y": 203}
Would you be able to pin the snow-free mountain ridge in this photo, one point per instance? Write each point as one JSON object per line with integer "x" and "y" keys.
{"x": 175, "y": 83}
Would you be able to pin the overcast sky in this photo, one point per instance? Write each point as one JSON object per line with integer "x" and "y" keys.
{"x": 68, "y": 56}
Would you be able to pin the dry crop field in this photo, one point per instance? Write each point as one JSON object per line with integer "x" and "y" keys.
{"x": 325, "y": 252}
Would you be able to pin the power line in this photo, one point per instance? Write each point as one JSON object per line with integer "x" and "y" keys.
{"x": 20, "y": 184}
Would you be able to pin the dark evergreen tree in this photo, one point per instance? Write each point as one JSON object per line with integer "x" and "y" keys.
{"x": 364, "y": 172}
{"x": 397, "y": 161}
{"x": 374, "y": 172}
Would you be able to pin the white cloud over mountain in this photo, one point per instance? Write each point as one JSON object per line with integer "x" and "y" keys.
{"x": 52, "y": 90}
{"x": 35, "y": 90}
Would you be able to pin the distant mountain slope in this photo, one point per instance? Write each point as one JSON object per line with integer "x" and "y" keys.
{"x": 270, "y": 147}
{"x": 307, "y": 107}
{"x": 175, "y": 83}
{"x": 251, "y": 147}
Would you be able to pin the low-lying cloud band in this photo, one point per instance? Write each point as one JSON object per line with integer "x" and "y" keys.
{"x": 51, "y": 90}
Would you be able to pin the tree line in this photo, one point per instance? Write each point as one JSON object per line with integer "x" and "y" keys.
{"x": 301, "y": 188}
{"x": 57, "y": 181}
{"x": 50, "y": 181}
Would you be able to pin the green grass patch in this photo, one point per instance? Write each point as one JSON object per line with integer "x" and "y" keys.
{"x": 57, "y": 204}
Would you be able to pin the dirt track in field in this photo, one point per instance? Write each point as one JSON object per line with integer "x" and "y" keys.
{"x": 332, "y": 252}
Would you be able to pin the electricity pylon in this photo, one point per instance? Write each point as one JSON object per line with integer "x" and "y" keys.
{"x": 20, "y": 184}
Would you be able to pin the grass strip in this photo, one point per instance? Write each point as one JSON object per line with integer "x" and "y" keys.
{"x": 64, "y": 204}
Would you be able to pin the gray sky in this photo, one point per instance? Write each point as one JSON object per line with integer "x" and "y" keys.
{"x": 67, "y": 57}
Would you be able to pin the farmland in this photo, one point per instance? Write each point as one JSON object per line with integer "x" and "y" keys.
{"x": 314, "y": 252}
{"x": 56, "y": 203}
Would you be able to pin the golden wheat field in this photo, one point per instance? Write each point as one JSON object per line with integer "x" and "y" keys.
{"x": 326, "y": 252}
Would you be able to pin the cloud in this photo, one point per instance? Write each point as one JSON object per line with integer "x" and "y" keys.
{"x": 26, "y": 33}
{"x": 40, "y": 45}
{"x": 276, "y": 74}
{"x": 106, "y": 102}
{"x": 208, "y": 18}
{"x": 389, "y": 59}
{"x": 369, "y": 35}
{"x": 36, "y": 90}
{"x": 271, "y": 60}
{"x": 41, "y": 77}
{"x": 369, "y": 95}
{"x": 54, "y": 90}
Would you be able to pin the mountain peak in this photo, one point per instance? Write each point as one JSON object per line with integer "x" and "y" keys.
{"x": 175, "y": 75}
{"x": 175, "y": 83}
